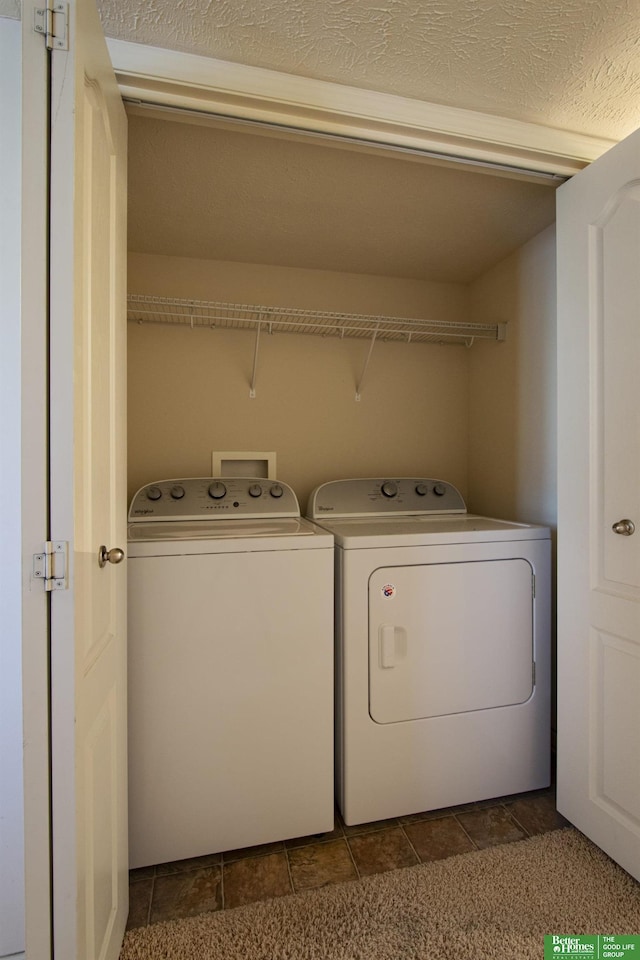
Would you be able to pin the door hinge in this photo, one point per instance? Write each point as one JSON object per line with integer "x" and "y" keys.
{"x": 52, "y": 565}
{"x": 52, "y": 21}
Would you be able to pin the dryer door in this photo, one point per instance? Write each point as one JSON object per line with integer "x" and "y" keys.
{"x": 449, "y": 638}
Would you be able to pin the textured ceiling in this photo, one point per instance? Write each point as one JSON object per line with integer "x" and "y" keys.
{"x": 225, "y": 194}
{"x": 573, "y": 64}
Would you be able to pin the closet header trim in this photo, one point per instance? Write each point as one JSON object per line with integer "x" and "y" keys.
{"x": 154, "y": 76}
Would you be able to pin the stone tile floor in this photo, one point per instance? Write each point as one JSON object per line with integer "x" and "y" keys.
{"x": 222, "y": 881}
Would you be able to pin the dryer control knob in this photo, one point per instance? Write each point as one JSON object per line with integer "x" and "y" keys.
{"x": 177, "y": 492}
{"x": 217, "y": 490}
{"x": 276, "y": 490}
{"x": 422, "y": 489}
{"x": 439, "y": 489}
{"x": 255, "y": 490}
{"x": 154, "y": 493}
{"x": 389, "y": 488}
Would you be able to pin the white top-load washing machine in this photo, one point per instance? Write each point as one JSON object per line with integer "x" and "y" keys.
{"x": 442, "y": 648}
{"x": 230, "y": 669}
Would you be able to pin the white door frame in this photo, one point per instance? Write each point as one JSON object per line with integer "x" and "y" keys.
{"x": 35, "y": 508}
{"x": 11, "y": 792}
{"x": 27, "y": 413}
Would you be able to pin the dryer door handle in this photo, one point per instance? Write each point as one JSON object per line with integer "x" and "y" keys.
{"x": 387, "y": 646}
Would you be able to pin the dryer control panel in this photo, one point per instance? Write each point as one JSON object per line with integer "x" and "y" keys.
{"x": 213, "y": 498}
{"x": 384, "y": 497}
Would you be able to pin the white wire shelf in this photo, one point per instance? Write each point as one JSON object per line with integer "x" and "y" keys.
{"x": 237, "y": 316}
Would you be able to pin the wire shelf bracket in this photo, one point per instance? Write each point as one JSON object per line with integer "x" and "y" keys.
{"x": 366, "y": 364}
{"x": 254, "y": 371}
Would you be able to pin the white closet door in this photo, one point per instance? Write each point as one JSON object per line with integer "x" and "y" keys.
{"x": 599, "y": 502}
{"x": 88, "y": 494}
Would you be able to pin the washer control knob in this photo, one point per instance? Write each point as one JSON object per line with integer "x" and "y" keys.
{"x": 276, "y": 491}
{"x": 177, "y": 492}
{"x": 439, "y": 489}
{"x": 255, "y": 490}
{"x": 389, "y": 489}
{"x": 422, "y": 489}
{"x": 154, "y": 493}
{"x": 217, "y": 490}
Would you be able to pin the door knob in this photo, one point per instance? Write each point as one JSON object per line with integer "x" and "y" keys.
{"x": 115, "y": 555}
{"x": 624, "y": 527}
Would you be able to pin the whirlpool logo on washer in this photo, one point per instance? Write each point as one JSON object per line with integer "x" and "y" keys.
{"x": 388, "y": 591}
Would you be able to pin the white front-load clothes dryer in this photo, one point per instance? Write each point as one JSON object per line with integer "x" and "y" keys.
{"x": 442, "y": 648}
{"x": 230, "y": 669}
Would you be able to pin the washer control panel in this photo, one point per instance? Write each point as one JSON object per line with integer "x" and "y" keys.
{"x": 383, "y": 497}
{"x": 213, "y": 498}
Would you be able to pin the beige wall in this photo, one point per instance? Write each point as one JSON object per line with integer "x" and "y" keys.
{"x": 189, "y": 390}
{"x": 512, "y": 422}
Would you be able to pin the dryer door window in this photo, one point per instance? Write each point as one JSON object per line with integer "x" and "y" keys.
{"x": 449, "y": 638}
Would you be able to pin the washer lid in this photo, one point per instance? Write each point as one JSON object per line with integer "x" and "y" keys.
{"x": 427, "y": 530}
{"x": 182, "y": 538}
{"x": 222, "y": 529}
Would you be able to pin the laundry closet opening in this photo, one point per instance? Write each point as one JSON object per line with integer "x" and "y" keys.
{"x": 240, "y": 214}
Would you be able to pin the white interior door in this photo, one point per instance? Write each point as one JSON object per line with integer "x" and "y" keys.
{"x": 599, "y": 493}
{"x": 88, "y": 495}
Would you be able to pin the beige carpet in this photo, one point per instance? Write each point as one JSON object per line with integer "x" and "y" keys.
{"x": 495, "y": 904}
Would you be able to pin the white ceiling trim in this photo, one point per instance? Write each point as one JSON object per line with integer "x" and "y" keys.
{"x": 172, "y": 79}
